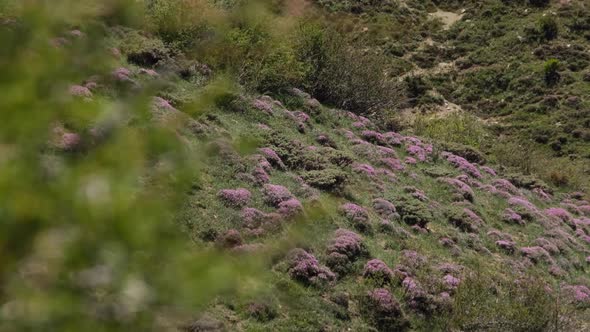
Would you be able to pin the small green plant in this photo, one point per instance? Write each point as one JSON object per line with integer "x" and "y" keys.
{"x": 548, "y": 27}
{"x": 551, "y": 69}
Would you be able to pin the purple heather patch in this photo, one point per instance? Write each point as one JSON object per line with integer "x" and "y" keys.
{"x": 410, "y": 161}
{"x": 523, "y": 203}
{"x": 536, "y": 254}
{"x": 542, "y": 194}
{"x": 450, "y": 282}
{"x": 304, "y": 267}
{"x": 272, "y": 157}
{"x": 579, "y": 294}
{"x": 275, "y": 194}
{"x": 290, "y": 208}
{"x": 356, "y": 214}
{"x": 263, "y": 105}
{"x": 488, "y": 170}
{"x": 346, "y": 243}
{"x": 80, "y": 91}
{"x": 505, "y": 186}
{"x": 377, "y": 270}
{"x": 122, "y": 74}
{"x": 559, "y": 213}
{"x": 364, "y": 169}
{"x": 461, "y": 188}
{"x": 417, "y": 151}
{"x": 373, "y": 137}
{"x": 511, "y": 217}
{"x": 462, "y": 164}
{"x": 393, "y": 163}
{"x": 235, "y": 197}
{"x": 383, "y": 304}
{"x": 230, "y": 239}
{"x": 506, "y": 245}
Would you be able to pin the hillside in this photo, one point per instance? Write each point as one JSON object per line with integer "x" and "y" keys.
{"x": 294, "y": 166}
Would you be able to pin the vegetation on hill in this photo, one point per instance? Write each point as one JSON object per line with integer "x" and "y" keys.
{"x": 203, "y": 165}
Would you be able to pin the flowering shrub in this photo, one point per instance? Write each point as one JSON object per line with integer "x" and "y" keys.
{"x": 290, "y": 208}
{"x": 305, "y": 268}
{"x": 385, "y": 209}
{"x": 578, "y": 294}
{"x": 525, "y": 208}
{"x": 260, "y": 176}
{"x": 547, "y": 245}
{"x": 412, "y": 259}
{"x": 393, "y": 138}
{"x": 417, "y": 151}
{"x": 272, "y": 157}
{"x": 263, "y": 105}
{"x": 378, "y": 271}
{"x": 462, "y": 164}
{"x": 373, "y": 137}
{"x": 410, "y": 161}
{"x": 536, "y": 254}
{"x": 357, "y": 215}
{"x": 364, "y": 169}
{"x": 462, "y": 189}
{"x": 275, "y": 194}
{"x": 488, "y": 170}
{"x": 393, "y": 163}
{"x": 511, "y": 217}
{"x": 384, "y": 311}
{"x": 506, "y": 245}
{"x": 235, "y": 197}
{"x": 122, "y": 74}
{"x": 450, "y": 282}
{"x": 344, "y": 248}
{"x": 559, "y": 213}
{"x": 506, "y": 186}
{"x": 465, "y": 219}
{"x": 80, "y": 91}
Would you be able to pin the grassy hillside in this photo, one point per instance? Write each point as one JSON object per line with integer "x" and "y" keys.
{"x": 294, "y": 166}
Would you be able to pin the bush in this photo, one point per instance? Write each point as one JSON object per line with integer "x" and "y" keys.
{"x": 548, "y": 27}
{"x": 327, "y": 179}
{"x": 340, "y": 73}
{"x": 551, "y": 69}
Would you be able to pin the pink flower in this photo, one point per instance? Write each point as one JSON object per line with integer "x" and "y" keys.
{"x": 364, "y": 169}
{"x": 488, "y": 170}
{"x": 377, "y": 270}
{"x": 462, "y": 164}
{"x": 451, "y": 282}
{"x": 276, "y": 194}
{"x": 80, "y": 91}
{"x": 235, "y": 197}
{"x": 346, "y": 243}
{"x": 512, "y": 217}
{"x": 263, "y": 105}
{"x": 393, "y": 163}
{"x": 304, "y": 267}
{"x": 122, "y": 74}
{"x": 410, "y": 161}
{"x": 272, "y": 157}
{"x": 290, "y": 208}
{"x": 559, "y": 213}
{"x": 506, "y": 245}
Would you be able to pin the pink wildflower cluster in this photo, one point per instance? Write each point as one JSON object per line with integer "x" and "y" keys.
{"x": 523, "y": 203}
{"x": 546, "y": 244}
{"x": 162, "y": 104}
{"x": 346, "y": 243}
{"x": 272, "y": 157}
{"x": 506, "y": 245}
{"x": 579, "y": 294}
{"x": 488, "y": 170}
{"x": 275, "y": 194}
{"x": 378, "y": 271}
{"x": 290, "y": 207}
{"x": 536, "y": 254}
{"x": 558, "y": 213}
{"x": 542, "y": 194}
{"x": 393, "y": 163}
{"x": 410, "y": 161}
{"x": 374, "y": 137}
{"x": 364, "y": 169}
{"x": 356, "y": 214}
{"x": 412, "y": 259}
{"x": 80, "y": 91}
{"x": 263, "y": 104}
{"x": 122, "y": 74}
{"x": 304, "y": 267}
{"x": 149, "y": 72}
{"x": 511, "y": 217}
{"x": 235, "y": 197}
{"x": 462, "y": 189}
{"x": 385, "y": 310}
{"x": 450, "y": 282}
{"x": 257, "y": 222}
{"x": 505, "y": 186}
{"x": 462, "y": 164}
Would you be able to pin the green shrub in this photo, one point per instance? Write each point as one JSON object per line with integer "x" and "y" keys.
{"x": 327, "y": 179}
{"x": 551, "y": 69}
{"x": 548, "y": 27}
